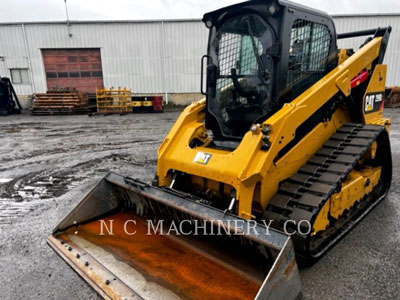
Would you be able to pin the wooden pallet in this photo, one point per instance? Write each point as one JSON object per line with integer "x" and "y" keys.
{"x": 60, "y": 102}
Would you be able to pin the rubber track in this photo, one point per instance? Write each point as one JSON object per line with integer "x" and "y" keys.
{"x": 302, "y": 196}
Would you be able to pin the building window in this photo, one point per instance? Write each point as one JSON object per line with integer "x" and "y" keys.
{"x": 19, "y": 76}
{"x": 97, "y": 74}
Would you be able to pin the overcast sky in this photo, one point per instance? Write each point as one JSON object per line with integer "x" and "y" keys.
{"x": 54, "y": 10}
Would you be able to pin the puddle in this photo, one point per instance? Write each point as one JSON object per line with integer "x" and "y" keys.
{"x": 5, "y": 180}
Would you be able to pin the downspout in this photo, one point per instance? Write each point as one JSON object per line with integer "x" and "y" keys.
{"x": 28, "y": 58}
{"x": 164, "y": 62}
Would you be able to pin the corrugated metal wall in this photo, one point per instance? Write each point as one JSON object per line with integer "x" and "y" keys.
{"x": 149, "y": 57}
{"x": 13, "y": 54}
{"x": 134, "y": 54}
{"x": 185, "y": 44}
{"x": 353, "y": 23}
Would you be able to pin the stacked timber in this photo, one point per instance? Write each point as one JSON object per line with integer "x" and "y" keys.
{"x": 60, "y": 102}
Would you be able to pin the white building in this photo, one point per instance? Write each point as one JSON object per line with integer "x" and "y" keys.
{"x": 157, "y": 57}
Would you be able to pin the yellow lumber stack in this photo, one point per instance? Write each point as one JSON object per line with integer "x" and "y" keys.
{"x": 114, "y": 101}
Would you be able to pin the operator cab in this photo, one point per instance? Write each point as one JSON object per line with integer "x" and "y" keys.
{"x": 262, "y": 54}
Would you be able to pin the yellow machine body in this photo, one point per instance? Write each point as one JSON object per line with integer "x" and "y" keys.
{"x": 251, "y": 171}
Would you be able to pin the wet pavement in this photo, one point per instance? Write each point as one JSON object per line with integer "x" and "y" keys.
{"x": 47, "y": 164}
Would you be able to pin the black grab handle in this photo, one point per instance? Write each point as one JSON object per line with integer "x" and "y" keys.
{"x": 202, "y": 74}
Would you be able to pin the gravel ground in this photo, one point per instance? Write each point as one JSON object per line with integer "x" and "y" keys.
{"x": 49, "y": 163}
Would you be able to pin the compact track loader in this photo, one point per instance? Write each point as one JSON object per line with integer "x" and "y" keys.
{"x": 286, "y": 154}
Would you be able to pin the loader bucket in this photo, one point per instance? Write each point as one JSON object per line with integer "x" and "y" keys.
{"x": 123, "y": 239}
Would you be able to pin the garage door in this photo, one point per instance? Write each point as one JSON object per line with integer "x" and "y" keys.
{"x": 76, "y": 68}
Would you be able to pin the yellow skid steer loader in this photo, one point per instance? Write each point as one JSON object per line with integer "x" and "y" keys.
{"x": 288, "y": 152}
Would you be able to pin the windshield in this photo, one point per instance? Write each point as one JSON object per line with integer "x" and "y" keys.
{"x": 241, "y": 91}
